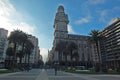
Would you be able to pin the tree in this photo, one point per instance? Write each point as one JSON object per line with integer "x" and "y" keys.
{"x": 76, "y": 56}
{"x": 60, "y": 46}
{"x": 66, "y": 53}
{"x": 23, "y": 38}
{"x": 17, "y": 37}
{"x": 71, "y": 47}
{"x": 28, "y": 49}
{"x": 95, "y": 39}
{"x": 9, "y": 53}
{"x": 20, "y": 54}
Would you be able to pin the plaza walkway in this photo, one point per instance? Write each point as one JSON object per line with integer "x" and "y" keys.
{"x": 41, "y": 74}
{"x": 70, "y": 76}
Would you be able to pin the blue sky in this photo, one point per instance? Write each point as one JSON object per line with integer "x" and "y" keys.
{"x": 37, "y": 17}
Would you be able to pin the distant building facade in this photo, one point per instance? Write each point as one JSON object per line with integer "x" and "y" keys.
{"x": 86, "y": 50}
{"x": 50, "y": 56}
{"x": 40, "y": 57}
{"x": 35, "y": 52}
{"x": 110, "y": 45}
{"x": 37, "y": 55}
{"x": 3, "y": 45}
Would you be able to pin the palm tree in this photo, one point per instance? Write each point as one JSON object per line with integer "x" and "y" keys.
{"x": 28, "y": 49}
{"x": 20, "y": 54}
{"x": 71, "y": 47}
{"x": 17, "y": 37}
{"x": 23, "y": 39}
{"x": 9, "y": 53}
{"x": 76, "y": 56}
{"x": 95, "y": 39}
{"x": 60, "y": 46}
{"x": 14, "y": 38}
{"x": 66, "y": 53}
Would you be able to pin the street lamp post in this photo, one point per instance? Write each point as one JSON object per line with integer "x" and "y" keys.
{"x": 12, "y": 45}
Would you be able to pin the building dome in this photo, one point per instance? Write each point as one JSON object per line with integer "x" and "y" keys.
{"x": 60, "y": 8}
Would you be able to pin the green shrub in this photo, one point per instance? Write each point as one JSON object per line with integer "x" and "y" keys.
{"x": 118, "y": 69}
{"x": 7, "y": 71}
{"x": 70, "y": 70}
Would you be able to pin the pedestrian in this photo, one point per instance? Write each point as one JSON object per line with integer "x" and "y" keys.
{"x": 55, "y": 70}
{"x": 27, "y": 67}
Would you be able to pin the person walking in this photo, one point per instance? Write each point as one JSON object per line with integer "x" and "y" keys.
{"x": 55, "y": 70}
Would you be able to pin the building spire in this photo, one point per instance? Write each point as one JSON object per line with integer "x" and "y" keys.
{"x": 60, "y": 8}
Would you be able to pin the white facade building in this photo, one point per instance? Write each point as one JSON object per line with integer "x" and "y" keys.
{"x": 3, "y": 45}
{"x": 34, "y": 40}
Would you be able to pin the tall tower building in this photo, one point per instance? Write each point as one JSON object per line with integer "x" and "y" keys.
{"x": 85, "y": 49}
{"x": 60, "y": 25}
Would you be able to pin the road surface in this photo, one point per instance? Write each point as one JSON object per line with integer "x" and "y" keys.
{"x": 41, "y": 74}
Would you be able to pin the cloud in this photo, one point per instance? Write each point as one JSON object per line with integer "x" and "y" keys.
{"x": 83, "y": 20}
{"x": 6, "y": 8}
{"x": 106, "y": 15}
{"x": 26, "y": 27}
{"x": 44, "y": 53}
{"x": 88, "y": 4}
{"x": 11, "y": 19}
{"x": 70, "y": 30}
{"x": 103, "y": 15}
{"x": 95, "y": 2}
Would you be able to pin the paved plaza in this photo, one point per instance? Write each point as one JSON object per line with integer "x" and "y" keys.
{"x": 41, "y": 74}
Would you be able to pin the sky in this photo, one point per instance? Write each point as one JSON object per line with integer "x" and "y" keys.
{"x": 36, "y": 17}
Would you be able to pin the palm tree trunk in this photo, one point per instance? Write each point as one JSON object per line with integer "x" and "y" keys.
{"x": 22, "y": 53}
{"x": 59, "y": 56}
{"x": 15, "y": 57}
{"x": 59, "y": 53}
{"x": 25, "y": 58}
{"x": 28, "y": 58}
{"x": 99, "y": 57}
{"x": 20, "y": 60}
{"x": 9, "y": 62}
{"x": 71, "y": 58}
{"x": 66, "y": 61}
